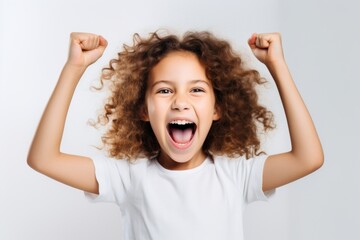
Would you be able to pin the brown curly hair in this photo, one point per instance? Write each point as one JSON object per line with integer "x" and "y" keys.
{"x": 234, "y": 134}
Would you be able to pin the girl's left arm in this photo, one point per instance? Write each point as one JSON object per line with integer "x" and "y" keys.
{"x": 306, "y": 154}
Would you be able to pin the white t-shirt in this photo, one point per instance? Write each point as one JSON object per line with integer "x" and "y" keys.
{"x": 205, "y": 202}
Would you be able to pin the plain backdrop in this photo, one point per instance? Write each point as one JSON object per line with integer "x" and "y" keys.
{"x": 321, "y": 41}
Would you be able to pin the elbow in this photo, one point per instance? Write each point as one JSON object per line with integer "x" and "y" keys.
{"x": 34, "y": 161}
{"x": 31, "y": 162}
{"x": 316, "y": 161}
{"x": 320, "y": 158}
{"x": 41, "y": 162}
{"x": 310, "y": 161}
{"x": 36, "y": 164}
{"x": 31, "y": 158}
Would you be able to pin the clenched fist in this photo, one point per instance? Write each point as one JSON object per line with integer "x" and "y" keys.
{"x": 85, "y": 49}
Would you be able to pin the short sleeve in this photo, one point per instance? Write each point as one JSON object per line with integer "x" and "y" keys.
{"x": 113, "y": 178}
{"x": 251, "y": 171}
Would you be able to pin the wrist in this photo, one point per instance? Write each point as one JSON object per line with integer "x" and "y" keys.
{"x": 71, "y": 74}
{"x": 277, "y": 65}
{"x": 75, "y": 68}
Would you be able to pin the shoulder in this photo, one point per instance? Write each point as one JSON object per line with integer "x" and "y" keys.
{"x": 121, "y": 173}
{"x": 239, "y": 164}
{"x": 225, "y": 160}
{"x": 122, "y": 163}
{"x": 123, "y": 167}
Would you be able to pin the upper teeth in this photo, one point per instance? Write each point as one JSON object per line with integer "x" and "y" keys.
{"x": 181, "y": 122}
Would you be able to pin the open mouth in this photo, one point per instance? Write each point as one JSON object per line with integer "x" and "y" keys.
{"x": 181, "y": 131}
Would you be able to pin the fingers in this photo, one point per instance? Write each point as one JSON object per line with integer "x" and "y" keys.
{"x": 267, "y": 47}
{"x": 102, "y": 43}
{"x": 252, "y": 41}
{"x": 88, "y": 41}
{"x": 263, "y": 40}
{"x": 85, "y": 48}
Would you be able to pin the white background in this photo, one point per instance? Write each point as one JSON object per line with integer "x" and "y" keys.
{"x": 322, "y": 46}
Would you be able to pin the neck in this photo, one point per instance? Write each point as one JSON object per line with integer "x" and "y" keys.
{"x": 172, "y": 164}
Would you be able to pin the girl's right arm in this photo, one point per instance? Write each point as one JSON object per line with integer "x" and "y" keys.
{"x": 44, "y": 154}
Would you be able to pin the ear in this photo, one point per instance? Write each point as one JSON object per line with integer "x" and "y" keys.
{"x": 217, "y": 113}
{"x": 144, "y": 114}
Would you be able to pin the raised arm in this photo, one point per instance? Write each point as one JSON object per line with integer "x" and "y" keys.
{"x": 44, "y": 154}
{"x": 306, "y": 154}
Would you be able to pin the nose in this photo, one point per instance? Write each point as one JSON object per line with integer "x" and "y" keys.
{"x": 180, "y": 103}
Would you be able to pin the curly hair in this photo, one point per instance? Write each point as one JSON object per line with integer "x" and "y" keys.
{"x": 236, "y": 133}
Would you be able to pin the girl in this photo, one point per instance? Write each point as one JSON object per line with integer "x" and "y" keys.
{"x": 184, "y": 113}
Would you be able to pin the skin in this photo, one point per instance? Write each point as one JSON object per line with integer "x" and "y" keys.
{"x": 179, "y": 90}
{"x": 179, "y": 100}
{"x": 306, "y": 154}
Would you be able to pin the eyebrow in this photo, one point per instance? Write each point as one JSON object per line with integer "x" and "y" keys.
{"x": 171, "y": 82}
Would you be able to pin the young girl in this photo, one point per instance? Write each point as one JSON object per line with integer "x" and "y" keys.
{"x": 184, "y": 118}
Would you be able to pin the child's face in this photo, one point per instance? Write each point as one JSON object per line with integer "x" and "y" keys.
{"x": 181, "y": 108}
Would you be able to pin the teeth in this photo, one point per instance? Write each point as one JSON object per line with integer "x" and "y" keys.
{"x": 181, "y": 122}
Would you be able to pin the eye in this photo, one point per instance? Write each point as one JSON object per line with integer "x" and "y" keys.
{"x": 197, "y": 90}
{"x": 164, "y": 91}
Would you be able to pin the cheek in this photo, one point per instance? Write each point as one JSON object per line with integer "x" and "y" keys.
{"x": 151, "y": 111}
{"x": 207, "y": 106}
{"x": 206, "y": 116}
{"x": 154, "y": 108}
{"x": 150, "y": 108}
{"x": 149, "y": 104}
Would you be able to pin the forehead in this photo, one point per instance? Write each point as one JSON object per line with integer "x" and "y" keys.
{"x": 180, "y": 65}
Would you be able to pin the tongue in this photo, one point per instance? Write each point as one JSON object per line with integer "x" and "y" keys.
{"x": 181, "y": 136}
